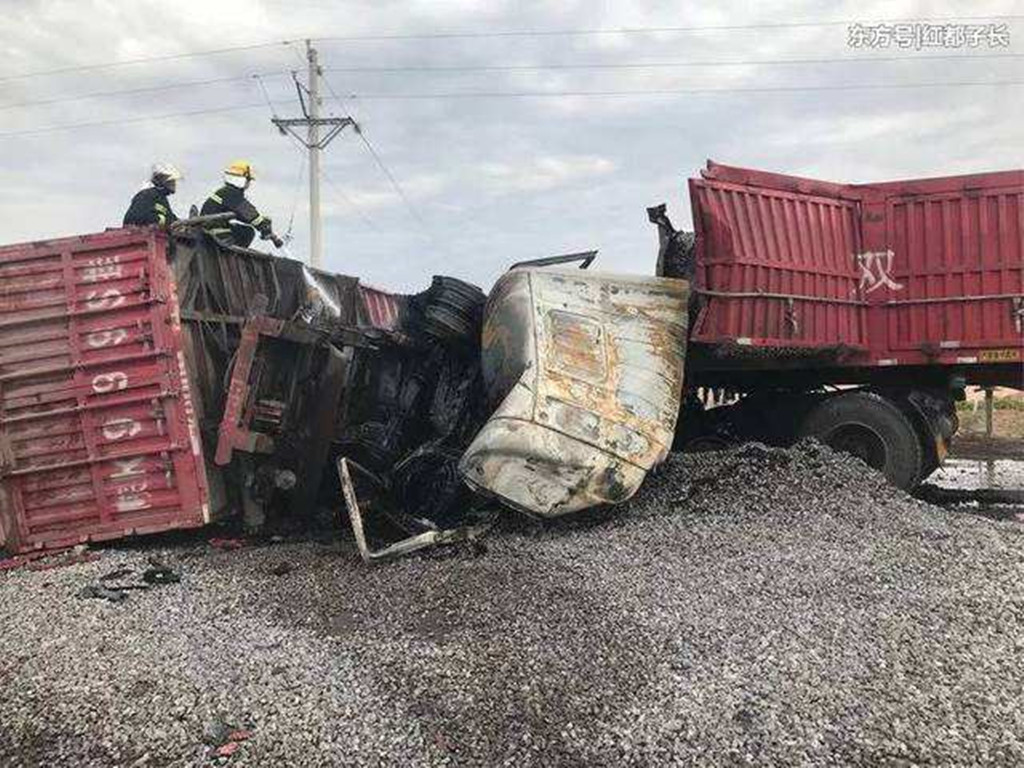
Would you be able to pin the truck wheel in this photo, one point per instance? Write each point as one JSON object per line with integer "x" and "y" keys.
{"x": 871, "y": 428}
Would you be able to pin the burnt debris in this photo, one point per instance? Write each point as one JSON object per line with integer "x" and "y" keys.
{"x": 296, "y": 368}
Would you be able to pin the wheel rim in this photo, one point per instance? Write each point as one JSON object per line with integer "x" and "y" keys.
{"x": 860, "y": 441}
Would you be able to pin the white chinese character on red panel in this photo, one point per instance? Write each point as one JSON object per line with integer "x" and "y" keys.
{"x": 875, "y": 269}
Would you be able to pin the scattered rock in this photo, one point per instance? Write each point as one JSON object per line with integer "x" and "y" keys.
{"x": 282, "y": 569}
{"x": 755, "y": 606}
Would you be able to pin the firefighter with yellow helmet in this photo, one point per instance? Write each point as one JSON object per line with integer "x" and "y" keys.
{"x": 230, "y": 198}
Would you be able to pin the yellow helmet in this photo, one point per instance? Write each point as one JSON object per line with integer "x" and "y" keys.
{"x": 239, "y": 168}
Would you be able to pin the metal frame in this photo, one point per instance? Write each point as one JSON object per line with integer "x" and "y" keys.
{"x": 586, "y": 258}
{"x": 405, "y": 546}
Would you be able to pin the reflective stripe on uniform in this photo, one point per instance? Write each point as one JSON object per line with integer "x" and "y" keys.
{"x": 160, "y": 208}
{"x": 218, "y": 230}
{"x": 217, "y": 198}
{"x": 257, "y": 221}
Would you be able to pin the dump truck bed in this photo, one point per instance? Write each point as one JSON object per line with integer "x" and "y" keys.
{"x": 796, "y": 272}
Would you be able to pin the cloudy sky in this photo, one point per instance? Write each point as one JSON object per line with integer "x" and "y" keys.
{"x": 505, "y": 146}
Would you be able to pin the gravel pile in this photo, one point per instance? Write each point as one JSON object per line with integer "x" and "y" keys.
{"x": 755, "y": 607}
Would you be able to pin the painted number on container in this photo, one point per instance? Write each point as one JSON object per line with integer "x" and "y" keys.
{"x": 129, "y": 467}
{"x": 134, "y": 495}
{"x": 109, "y": 382}
{"x": 120, "y": 429}
{"x": 107, "y": 299}
{"x": 110, "y": 338}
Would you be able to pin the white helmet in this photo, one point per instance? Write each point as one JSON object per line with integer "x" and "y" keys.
{"x": 164, "y": 172}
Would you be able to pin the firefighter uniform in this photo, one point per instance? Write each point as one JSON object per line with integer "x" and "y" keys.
{"x": 149, "y": 206}
{"x": 232, "y": 199}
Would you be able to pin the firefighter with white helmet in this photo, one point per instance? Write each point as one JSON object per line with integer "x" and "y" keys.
{"x": 230, "y": 198}
{"x": 150, "y": 205}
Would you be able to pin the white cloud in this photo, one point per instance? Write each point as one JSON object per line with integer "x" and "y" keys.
{"x": 543, "y": 173}
{"x": 496, "y": 179}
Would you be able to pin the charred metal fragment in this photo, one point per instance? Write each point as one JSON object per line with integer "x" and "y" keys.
{"x": 423, "y": 540}
{"x": 676, "y": 249}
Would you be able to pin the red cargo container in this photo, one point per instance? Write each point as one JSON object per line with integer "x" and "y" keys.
{"x": 97, "y": 425}
{"x": 907, "y": 273}
{"x": 852, "y": 313}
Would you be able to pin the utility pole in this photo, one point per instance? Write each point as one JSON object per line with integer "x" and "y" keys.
{"x": 316, "y": 230}
{"x": 314, "y": 144}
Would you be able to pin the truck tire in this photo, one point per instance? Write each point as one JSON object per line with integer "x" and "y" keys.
{"x": 871, "y": 428}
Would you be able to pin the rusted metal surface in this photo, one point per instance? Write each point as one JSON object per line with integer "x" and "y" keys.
{"x": 586, "y": 372}
{"x": 235, "y": 427}
{"x": 926, "y": 272}
{"x": 98, "y": 427}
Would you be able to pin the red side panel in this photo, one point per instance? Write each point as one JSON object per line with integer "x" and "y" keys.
{"x": 958, "y": 270}
{"x": 776, "y": 266}
{"x": 380, "y": 309}
{"x": 97, "y": 429}
{"x": 917, "y": 272}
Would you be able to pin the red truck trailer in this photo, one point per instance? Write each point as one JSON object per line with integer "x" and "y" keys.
{"x": 151, "y": 381}
{"x": 855, "y": 313}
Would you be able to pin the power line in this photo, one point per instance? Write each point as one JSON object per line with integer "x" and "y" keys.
{"x": 141, "y": 60}
{"x": 287, "y": 236}
{"x": 351, "y": 203}
{"x": 494, "y": 34}
{"x": 509, "y": 68}
{"x": 663, "y": 64}
{"x": 123, "y": 120}
{"x": 650, "y": 30}
{"x": 135, "y": 91}
{"x": 514, "y": 95}
{"x": 266, "y": 96}
{"x": 383, "y": 167}
{"x": 674, "y": 91}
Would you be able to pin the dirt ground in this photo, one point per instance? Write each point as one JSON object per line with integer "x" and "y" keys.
{"x": 1007, "y": 441}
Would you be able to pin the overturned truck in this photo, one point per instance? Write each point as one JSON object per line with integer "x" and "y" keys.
{"x": 153, "y": 381}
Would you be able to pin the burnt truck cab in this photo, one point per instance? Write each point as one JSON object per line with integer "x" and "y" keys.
{"x": 584, "y": 373}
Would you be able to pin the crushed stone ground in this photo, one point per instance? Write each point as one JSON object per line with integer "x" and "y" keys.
{"x": 762, "y": 606}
